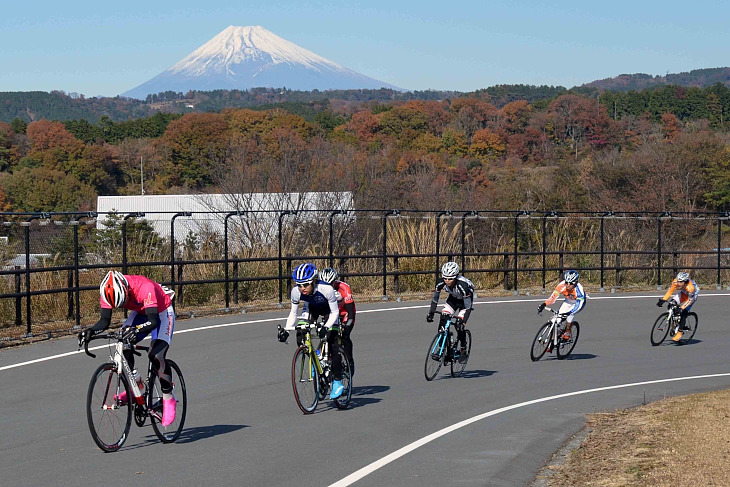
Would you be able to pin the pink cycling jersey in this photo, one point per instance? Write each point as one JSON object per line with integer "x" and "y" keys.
{"x": 144, "y": 293}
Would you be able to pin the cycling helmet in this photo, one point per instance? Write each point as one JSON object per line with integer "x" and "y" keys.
{"x": 571, "y": 277}
{"x": 450, "y": 269}
{"x": 683, "y": 276}
{"x": 329, "y": 275}
{"x": 304, "y": 273}
{"x": 114, "y": 289}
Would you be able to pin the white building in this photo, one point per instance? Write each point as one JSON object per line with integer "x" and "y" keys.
{"x": 259, "y": 211}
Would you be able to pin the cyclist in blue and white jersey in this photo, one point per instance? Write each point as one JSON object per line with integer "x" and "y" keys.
{"x": 318, "y": 299}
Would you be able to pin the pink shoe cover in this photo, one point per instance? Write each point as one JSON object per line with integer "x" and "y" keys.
{"x": 168, "y": 411}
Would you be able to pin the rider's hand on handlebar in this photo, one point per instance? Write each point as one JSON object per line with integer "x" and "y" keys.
{"x": 84, "y": 336}
{"x": 282, "y": 335}
{"x": 129, "y": 335}
{"x": 429, "y": 318}
{"x": 540, "y": 308}
{"x": 660, "y": 303}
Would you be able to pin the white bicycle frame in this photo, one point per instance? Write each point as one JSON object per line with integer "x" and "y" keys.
{"x": 124, "y": 368}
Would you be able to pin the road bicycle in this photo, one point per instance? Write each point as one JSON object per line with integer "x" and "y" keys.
{"x": 444, "y": 348}
{"x": 110, "y": 418}
{"x": 669, "y": 322}
{"x": 550, "y": 337}
{"x": 311, "y": 369}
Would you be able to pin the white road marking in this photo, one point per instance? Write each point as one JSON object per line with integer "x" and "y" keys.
{"x": 367, "y": 470}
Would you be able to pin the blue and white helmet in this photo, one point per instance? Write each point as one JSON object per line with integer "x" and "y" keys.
{"x": 683, "y": 277}
{"x": 304, "y": 273}
{"x": 571, "y": 277}
{"x": 449, "y": 270}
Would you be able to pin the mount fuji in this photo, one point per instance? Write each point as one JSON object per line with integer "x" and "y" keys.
{"x": 248, "y": 57}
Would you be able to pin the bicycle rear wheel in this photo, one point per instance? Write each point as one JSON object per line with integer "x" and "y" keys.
{"x": 690, "y": 328}
{"x": 109, "y": 419}
{"x": 344, "y": 400}
{"x": 305, "y": 380}
{"x": 458, "y": 364}
{"x": 567, "y": 346}
{"x": 541, "y": 342}
{"x": 660, "y": 329}
{"x": 435, "y": 355}
{"x": 171, "y": 432}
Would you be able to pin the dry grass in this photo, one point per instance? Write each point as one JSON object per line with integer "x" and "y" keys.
{"x": 682, "y": 441}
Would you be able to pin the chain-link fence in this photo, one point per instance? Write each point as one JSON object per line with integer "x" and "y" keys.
{"x": 51, "y": 264}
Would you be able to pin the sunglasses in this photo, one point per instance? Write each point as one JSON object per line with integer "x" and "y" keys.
{"x": 303, "y": 285}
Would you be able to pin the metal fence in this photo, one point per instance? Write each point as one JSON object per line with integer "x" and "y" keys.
{"x": 236, "y": 260}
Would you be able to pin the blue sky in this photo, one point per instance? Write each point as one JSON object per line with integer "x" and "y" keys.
{"x": 106, "y": 48}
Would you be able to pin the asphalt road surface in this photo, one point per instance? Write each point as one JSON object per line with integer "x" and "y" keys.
{"x": 494, "y": 426}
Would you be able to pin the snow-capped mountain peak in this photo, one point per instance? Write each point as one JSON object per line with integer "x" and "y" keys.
{"x": 248, "y": 57}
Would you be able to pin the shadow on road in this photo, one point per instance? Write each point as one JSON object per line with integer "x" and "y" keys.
{"x": 473, "y": 374}
{"x": 360, "y": 395}
{"x": 189, "y": 435}
{"x": 579, "y": 356}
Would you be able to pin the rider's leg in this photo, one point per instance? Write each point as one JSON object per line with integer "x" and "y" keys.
{"x": 347, "y": 344}
{"x": 462, "y": 330}
{"x": 565, "y": 308}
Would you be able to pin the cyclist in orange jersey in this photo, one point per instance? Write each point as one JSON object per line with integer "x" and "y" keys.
{"x": 575, "y": 299}
{"x": 687, "y": 293}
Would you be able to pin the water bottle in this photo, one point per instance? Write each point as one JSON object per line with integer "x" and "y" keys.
{"x": 319, "y": 354}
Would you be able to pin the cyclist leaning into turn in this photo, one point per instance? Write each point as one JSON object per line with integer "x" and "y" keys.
{"x": 461, "y": 297}
{"x": 575, "y": 299}
{"x": 687, "y": 293}
{"x": 346, "y": 305}
{"x": 151, "y": 312}
{"x": 319, "y": 300}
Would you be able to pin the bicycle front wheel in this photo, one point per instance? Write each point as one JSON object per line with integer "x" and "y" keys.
{"x": 305, "y": 380}
{"x": 344, "y": 400}
{"x": 660, "y": 329}
{"x": 541, "y": 342}
{"x": 109, "y": 418}
{"x": 690, "y": 328}
{"x": 458, "y": 364}
{"x": 435, "y": 356}
{"x": 171, "y": 432}
{"x": 567, "y": 346}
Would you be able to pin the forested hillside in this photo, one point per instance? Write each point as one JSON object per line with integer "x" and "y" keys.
{"x": 664, "y": 149}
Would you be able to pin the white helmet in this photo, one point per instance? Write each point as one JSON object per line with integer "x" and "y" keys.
{"x": 683, "y": 276}
{"x": 328, "y": 275}
{"x": 113, "y": 289}
{"x": 450, "y": 269}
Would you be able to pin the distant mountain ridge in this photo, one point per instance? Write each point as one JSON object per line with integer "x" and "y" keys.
{"x": 249, "y": 57}
{"x": 701, "y": 78}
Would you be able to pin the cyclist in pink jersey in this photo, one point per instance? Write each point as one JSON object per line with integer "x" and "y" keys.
{"x": 151, "y": 314}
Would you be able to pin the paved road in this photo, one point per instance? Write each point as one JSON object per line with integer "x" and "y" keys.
{"x": 244, "y": 428}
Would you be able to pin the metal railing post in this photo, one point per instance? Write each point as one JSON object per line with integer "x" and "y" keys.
{"x": 463, "y": 238}
{"x": 28, "y": 317}
{"x": 438, "y": 241}
{"x": 331, "y": 242}
{"x": 172, "y": 249}
{"x": 77, "y": 294}
{"x": 385, "y": 248}
{"x": 281, "y": 277}
{"x": 225, "y": 253}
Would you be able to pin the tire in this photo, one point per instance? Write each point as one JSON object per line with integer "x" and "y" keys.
{"x": 541, "y": 342}
{"x": 109, "y": 421}
{"x": 170, "y": 433}
{"x": 660, "y": 330}
{"x": 459, "y": 363}
{"x": 435, "y": 356}
{"x": 565, "y": 347}
{"x": 691, "y": 322}
{"x": 344, "y": 400}
{"x": 305, "y": 380}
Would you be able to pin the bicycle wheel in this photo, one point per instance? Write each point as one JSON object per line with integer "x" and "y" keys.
{"x": 435, "y": 356}
{"x": 567, "y": 346}
{"x": 541, "y": 342}
{"x": 660, "y": 329}
{"x": 344, "y": 400}
{"x": 690, "y": 328}
{"x": 171, "y": 432}
{"x": 305, "y": 380}
{"x": 458, "y": 364}
{"x": 109, "y": 419}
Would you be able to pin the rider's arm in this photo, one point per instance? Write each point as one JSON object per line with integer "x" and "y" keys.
{"x": 436, "y": 294}
{"x": 104, "y": 321}
{"x": 671, "y": 290}
{"x": 552, "y": 297}
{"x": 334, "y": 309}
{"x": 292, "y": 318}
{"x": 153, "y": 317}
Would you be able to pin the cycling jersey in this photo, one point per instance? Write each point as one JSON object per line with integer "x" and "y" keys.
{"x": 461, "y": 296}
{"x": 344, "y": 297}
{"x": 322, "y": 302}
{"x": 574, "y": 299}
{"x": 144, "y": 293}
{"x": 687, "y": 296}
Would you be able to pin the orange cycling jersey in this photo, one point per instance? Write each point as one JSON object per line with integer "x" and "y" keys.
{"x": 687, "y": 296}
{"x": 575, "y": 294}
